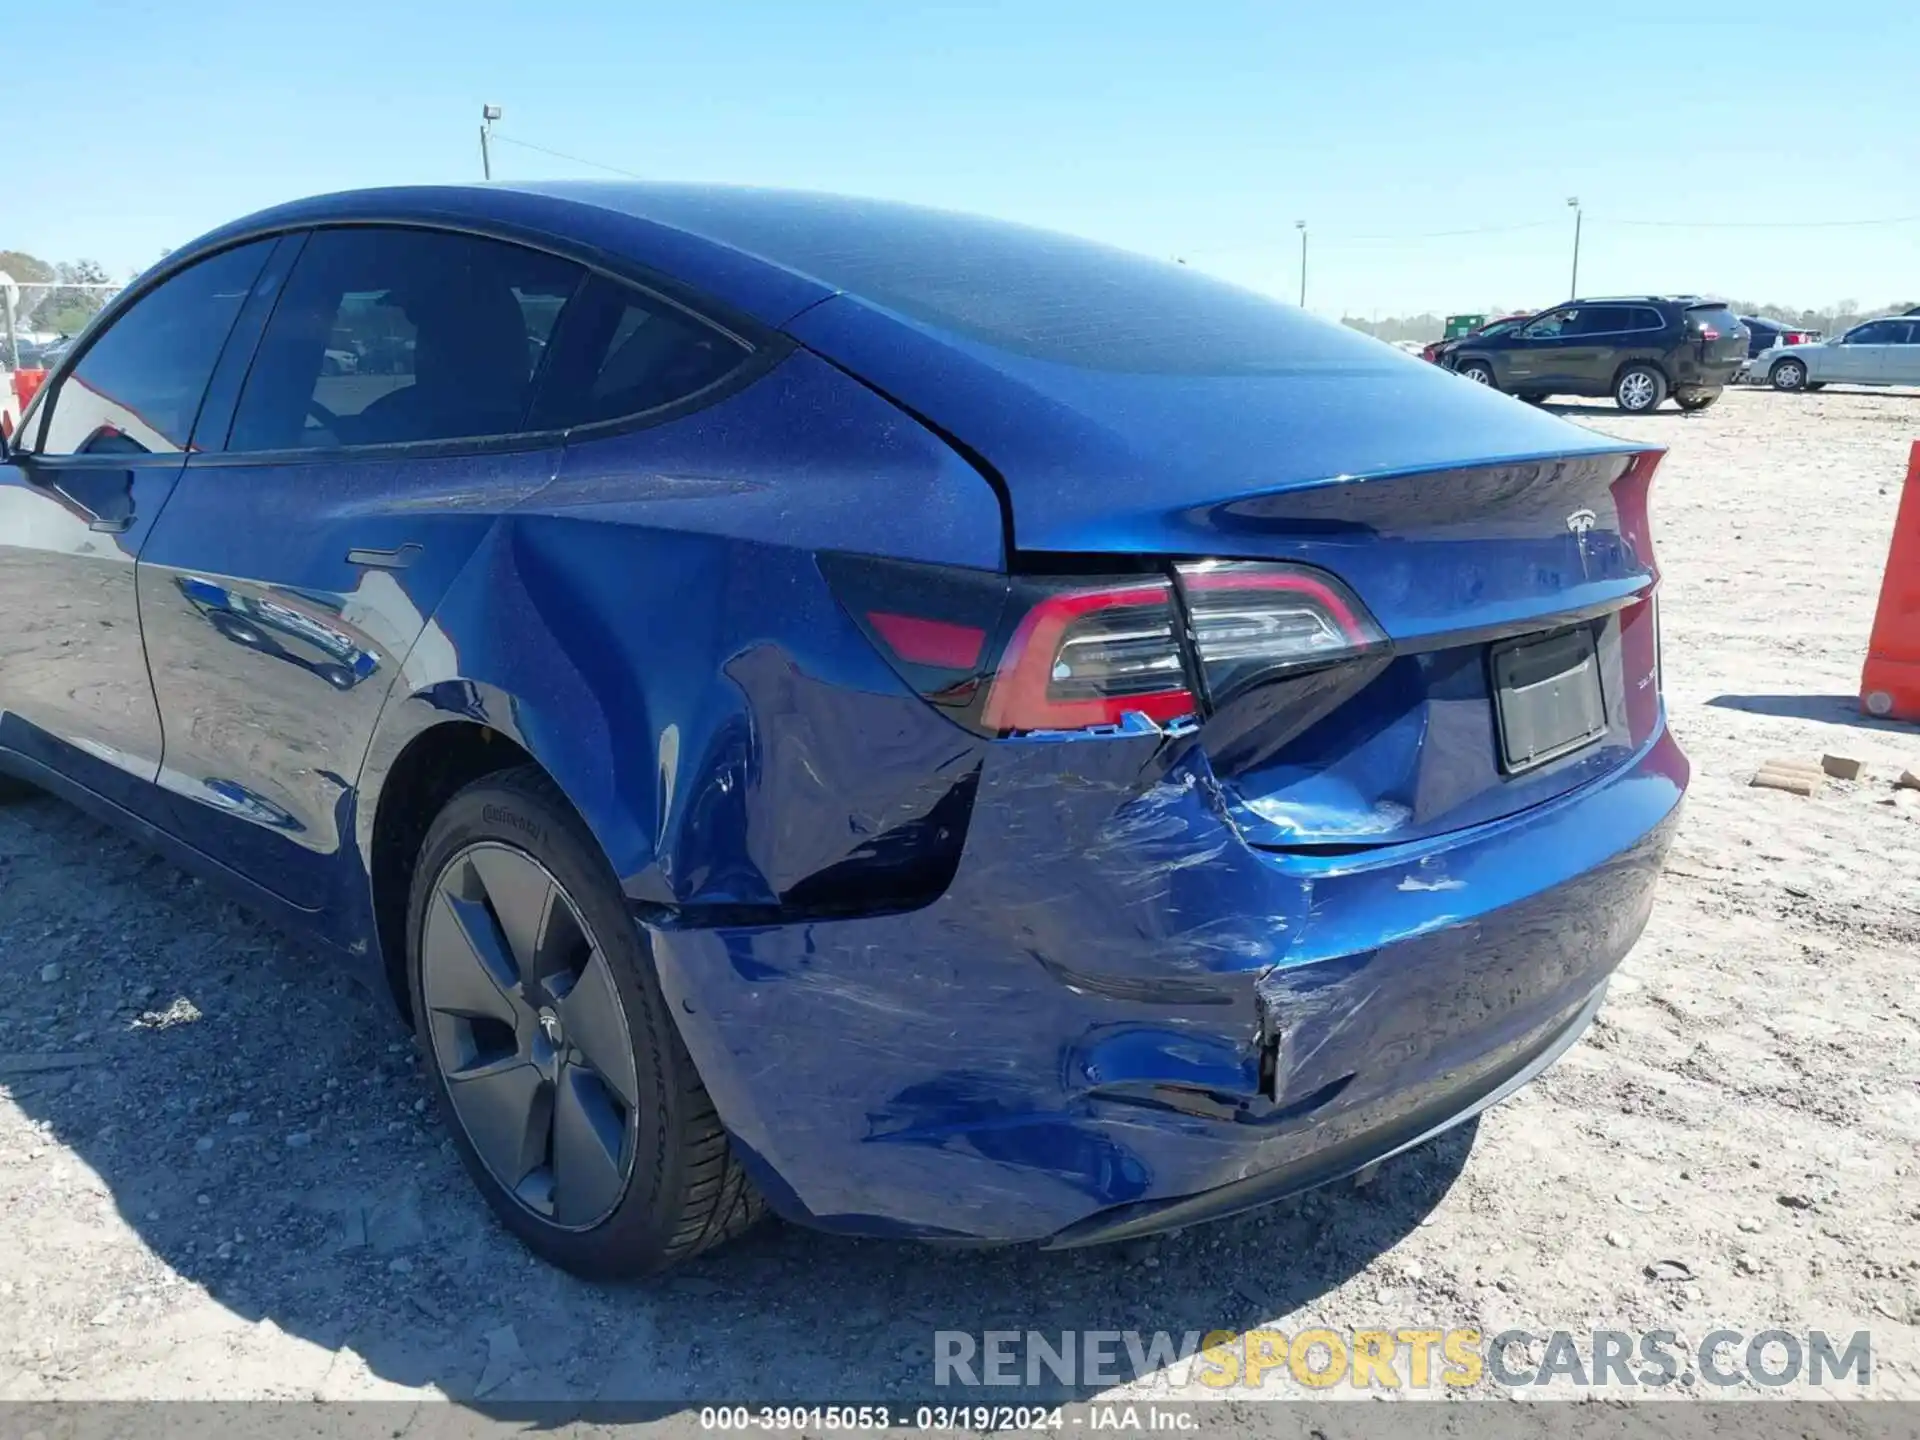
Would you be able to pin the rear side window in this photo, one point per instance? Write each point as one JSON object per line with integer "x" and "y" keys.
{"x": 621, "y": 352}
{"x": 137, "y": 389}
{"x": 392, "y": 336}
{"x": 1600, "y": 320}
{"x": 1646, "y": 318}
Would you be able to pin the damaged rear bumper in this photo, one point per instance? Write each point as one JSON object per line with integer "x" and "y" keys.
{"x": 1121, "y": 1017}
{"x": 1409, "y": 1120}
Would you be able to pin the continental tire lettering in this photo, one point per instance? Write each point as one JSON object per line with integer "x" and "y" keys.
{"x": 500, "y": 815}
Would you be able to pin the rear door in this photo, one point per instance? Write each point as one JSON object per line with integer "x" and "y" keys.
{"x": 374, "y": 437}
{"x": 1904, "y": 357}
{"x": 1863, "y": 354}
{"x": 1594, "y": 346}
{"x": 100, "y": 455}
{"x": 1536, "y": 354}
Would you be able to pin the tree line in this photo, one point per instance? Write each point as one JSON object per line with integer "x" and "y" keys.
{"x": 49, "y": 297}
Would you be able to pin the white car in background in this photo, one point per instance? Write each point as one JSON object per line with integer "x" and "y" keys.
{"x": 1877, "y": 352}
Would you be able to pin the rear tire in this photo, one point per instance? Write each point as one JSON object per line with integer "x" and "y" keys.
{"x": 1639, "y": 389}
{"x": 535, "y": 991}
{"x": 1479, "y": 372}
{"x": 1788, "y": 375}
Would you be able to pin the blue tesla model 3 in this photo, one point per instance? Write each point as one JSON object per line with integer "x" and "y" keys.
{"x": 924, "y": 726}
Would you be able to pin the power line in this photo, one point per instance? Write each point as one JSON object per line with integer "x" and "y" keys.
{"x": 571, "y": 159}
{"x": 1390, "y": 237}
{"x": 1760, "y": 224}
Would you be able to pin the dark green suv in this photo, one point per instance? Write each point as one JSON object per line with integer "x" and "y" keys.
{"x": 1637, "y": 348}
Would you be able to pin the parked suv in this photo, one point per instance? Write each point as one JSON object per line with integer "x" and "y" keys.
{"x": 1639, "y": 349}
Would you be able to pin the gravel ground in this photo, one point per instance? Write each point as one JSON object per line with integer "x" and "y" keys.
{"x": 219, "y": 1177}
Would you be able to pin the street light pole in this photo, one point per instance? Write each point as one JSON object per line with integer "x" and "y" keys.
{"x": 488, "y": 114}
{"x": 1301, "y": 226}
{"x": 1573, "y": 291}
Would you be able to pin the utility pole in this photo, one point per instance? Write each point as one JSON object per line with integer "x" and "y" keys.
{"x": 8, "y": 290}
{"x": 1573, "y": 290}
{"x": 1301, "y": 226}
{"x": 488, "y": 114}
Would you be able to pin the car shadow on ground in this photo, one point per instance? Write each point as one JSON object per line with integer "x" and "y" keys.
{"x": 1833, "y": 709}
{"x": 258, "y": 1122}
{"x": 1596, "y": 409}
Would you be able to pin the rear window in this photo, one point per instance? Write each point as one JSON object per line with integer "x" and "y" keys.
{"x": 1711, "y": 317}
{"x": 1044, "y": 296}
{"x": 622, "y": 353}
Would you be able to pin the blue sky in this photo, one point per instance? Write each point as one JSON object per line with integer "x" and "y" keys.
{"x": 1197, "y": 129}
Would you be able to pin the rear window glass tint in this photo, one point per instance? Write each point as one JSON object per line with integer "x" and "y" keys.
{"x": 1026, "y": 292}
{"x": 393, "y": 336}
{"x": 1711, "y": 317}
{"x": 621, "y": 352}
{"x": 1601, "y": 320}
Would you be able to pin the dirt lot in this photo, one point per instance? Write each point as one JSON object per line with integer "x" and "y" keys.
{"x": 218, "y": 1177}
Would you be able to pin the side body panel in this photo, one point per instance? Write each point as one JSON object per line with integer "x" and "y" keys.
{"x": 74, "y": 693}
{"x": 278, "y": 602}
{"x": 654, "y": 629}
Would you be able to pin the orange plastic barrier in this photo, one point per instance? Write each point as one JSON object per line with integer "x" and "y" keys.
{"x": 1890, "y": 683}
{"x": 26, "y": 384}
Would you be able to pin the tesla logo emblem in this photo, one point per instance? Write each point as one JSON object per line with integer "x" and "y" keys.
{"x": 1581, "y": 521}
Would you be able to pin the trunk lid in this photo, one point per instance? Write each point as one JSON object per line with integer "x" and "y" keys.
{"x": 1717, "y": 330}
{"x": 1460, "y": 517}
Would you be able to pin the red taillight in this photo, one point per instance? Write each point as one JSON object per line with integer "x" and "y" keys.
{"x": 1089, "y": 657}
{"x": 930, "y": 642}
{"x": 1707, "y": 332}
{"x": 1630, "y": 492}
{"x": 1006, "y": 655}
{"x": 1640, "y": 622}
{"x": 1793, "y": 337}
{"x": 1252, "y": 622}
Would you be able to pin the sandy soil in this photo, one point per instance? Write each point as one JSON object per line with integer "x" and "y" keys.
{"x": 218, "y": 1177}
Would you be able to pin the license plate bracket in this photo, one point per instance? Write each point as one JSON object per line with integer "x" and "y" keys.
{"x": 1548, "y": 698}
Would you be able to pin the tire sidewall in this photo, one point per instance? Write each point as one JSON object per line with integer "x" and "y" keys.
{"x": 519, "y": 817}
{"x": 1788, "y": 367}
{"x": 1659, "y": 389}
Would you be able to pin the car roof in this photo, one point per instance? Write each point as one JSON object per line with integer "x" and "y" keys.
{"x": 770, "y": 253}
{"x": 1646, "y": 300}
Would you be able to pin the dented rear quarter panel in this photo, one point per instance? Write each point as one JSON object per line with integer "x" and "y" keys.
{"x": 652, "y": 626}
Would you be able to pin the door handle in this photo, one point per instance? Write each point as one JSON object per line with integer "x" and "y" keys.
{"x": 398, "y": 558}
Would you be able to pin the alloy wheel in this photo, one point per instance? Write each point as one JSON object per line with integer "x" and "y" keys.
{"x": 529, "y": 1034}
{"x": 1637, "y": 390}
{"x": 1478, "y": 374}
